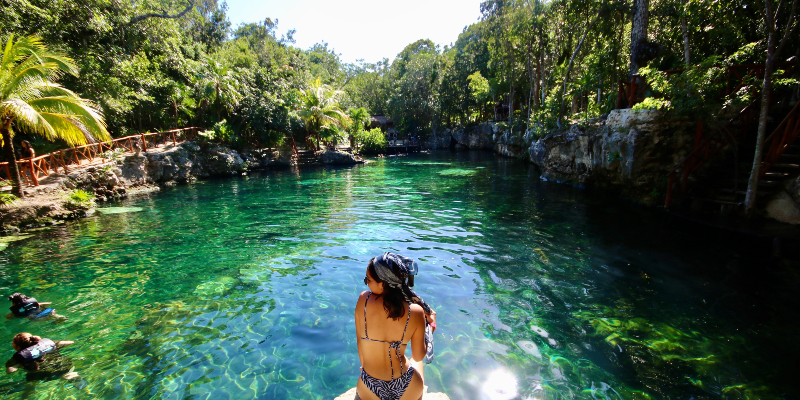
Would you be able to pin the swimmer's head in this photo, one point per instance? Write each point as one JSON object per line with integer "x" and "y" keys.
{"x": 24, "y": 340}
{"x": 17, "y": 298}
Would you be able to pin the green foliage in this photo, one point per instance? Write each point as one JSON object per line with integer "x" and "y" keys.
{"x": 359, "y": 118}
{"x": 8, "y": 199}
{"x": 319, "y": 108}
{"x": 114, "y": 155}
{"x": 371, "y": 141}
{"x": 614, "y": 156}
{"x": 223, "y": 131}
{"x": 79, "y": 199}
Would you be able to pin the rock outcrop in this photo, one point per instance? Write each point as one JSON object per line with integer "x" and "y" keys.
{"x": 630, "y": 151}
{"x": 478, "y": 137}
{"x": 340, "y": 158}
{"x": 785, "y": 205}
{"x": 135, "y": 173}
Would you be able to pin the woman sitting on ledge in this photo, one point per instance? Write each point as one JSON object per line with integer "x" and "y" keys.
{"x": 388, "y": 317}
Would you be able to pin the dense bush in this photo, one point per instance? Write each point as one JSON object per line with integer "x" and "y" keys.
{"x": 370, "y": 141}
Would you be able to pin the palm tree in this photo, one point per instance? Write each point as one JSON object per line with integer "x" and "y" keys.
{"x": 32, "y": 101}
{"x": 319, "y": 107}
{"x": 221, "y": 86}
{"x": 359, "y": 118}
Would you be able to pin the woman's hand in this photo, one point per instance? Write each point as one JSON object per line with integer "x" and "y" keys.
{"x": 431, "y": 318}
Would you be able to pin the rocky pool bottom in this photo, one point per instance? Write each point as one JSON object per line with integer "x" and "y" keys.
{"x": 244, "y": 287}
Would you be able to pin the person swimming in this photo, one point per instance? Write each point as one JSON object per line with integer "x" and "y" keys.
{"x": 389, "y": 298}
{"x": 28, "y": 307}
{"x": 40, "y": 357}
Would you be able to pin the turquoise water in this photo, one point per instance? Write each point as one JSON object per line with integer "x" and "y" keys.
{"x": 245, "y": 288}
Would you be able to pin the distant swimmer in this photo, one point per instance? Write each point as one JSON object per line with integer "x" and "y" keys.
{"x": 28, "y": 307}
{"x": 40, "y": 357}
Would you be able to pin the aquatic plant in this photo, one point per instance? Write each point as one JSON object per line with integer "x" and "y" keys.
{"x": 79, "y": 199}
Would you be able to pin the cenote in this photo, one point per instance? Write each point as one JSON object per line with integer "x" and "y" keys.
{"x": 244, "y": 288}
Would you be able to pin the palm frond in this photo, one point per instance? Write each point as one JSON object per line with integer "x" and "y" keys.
{"x": 80, "y": 111}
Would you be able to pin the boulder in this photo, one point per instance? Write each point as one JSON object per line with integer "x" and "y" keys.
{"x": 340, "y": 158}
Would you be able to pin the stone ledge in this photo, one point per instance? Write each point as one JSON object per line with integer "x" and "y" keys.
{"x": 351, "y": 394}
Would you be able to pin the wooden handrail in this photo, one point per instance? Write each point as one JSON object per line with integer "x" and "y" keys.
{"x": 51, "y": 161}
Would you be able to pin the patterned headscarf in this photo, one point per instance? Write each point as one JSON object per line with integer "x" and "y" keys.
{"x": 398, "y": 272}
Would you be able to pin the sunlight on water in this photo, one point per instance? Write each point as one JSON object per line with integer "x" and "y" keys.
{"x": 500, "y": 385}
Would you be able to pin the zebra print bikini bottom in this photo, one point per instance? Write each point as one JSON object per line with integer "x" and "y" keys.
{"x": 388, "y": 390}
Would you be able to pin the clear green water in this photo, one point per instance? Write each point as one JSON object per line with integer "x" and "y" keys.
{"x": 245, "y": 288}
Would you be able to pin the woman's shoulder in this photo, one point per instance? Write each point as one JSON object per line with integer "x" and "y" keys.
{"x": 416, "y": 311}
{"x": 362, "y": 297}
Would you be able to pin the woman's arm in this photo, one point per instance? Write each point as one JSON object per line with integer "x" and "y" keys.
{"x": 63, "y": 343}
{"x": 10, "y": 365}
{"x": 418, "y": 348}
{"x": 358, "y": 318}
{"x": 45, "y": 304}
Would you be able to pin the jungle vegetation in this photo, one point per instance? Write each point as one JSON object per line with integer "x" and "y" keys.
{"x": 157, "y": 64}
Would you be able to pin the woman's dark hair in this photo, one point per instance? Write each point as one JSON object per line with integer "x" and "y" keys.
{"x": 17, "y": 298}
{"x": 394, "y": 298}
{"x": 24, "y": 340}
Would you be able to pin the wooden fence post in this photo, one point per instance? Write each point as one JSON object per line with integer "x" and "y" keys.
{"x": 144, "y": 143}
{"x": 34, "y": 175}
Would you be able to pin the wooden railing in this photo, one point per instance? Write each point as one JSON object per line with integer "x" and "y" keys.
{"x": 34, "y": 169}
{"x": 705, "y": 149}
{"x": 780, "y": 139}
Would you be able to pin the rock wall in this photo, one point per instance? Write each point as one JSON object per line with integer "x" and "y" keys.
{"x": 138, "y": 172}
{"x": 630, "y": 151}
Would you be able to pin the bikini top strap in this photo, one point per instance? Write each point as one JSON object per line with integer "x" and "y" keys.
{"x": 406, "y": 327}
{"x": 366, "y": 336}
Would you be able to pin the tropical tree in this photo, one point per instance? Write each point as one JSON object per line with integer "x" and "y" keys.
{"x": 220, "y": 87}
{"x": 359, "y": 118}
{"x": 319, "y": 108}
{"x": 31, "y": 100}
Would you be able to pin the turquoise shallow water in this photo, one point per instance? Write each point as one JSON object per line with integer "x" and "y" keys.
{"x": 245, "y": 288}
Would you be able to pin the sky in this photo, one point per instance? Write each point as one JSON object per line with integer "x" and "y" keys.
{"x": 362, "y": 29}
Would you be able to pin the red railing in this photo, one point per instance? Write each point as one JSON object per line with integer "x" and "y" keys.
{"x": 37, "y": 168}
{"x": 780, "y": 139}
{"x": 705, "y": 149}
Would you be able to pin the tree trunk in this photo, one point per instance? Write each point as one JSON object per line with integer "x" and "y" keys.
{"x": 685, "y": 28}
{"x": 511, "y": 108}
{"x": 773, "y": 50}
{"x": 641, "y": 22}
{"x": 766, "y": 86}
{"x": 8, "y": 153}
{"x": 572, "y": 59}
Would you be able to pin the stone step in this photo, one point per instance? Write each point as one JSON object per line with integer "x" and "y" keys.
{"x": 786, "y": 166}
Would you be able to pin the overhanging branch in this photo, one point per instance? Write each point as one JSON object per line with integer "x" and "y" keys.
{"x": 162, "y": 15}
